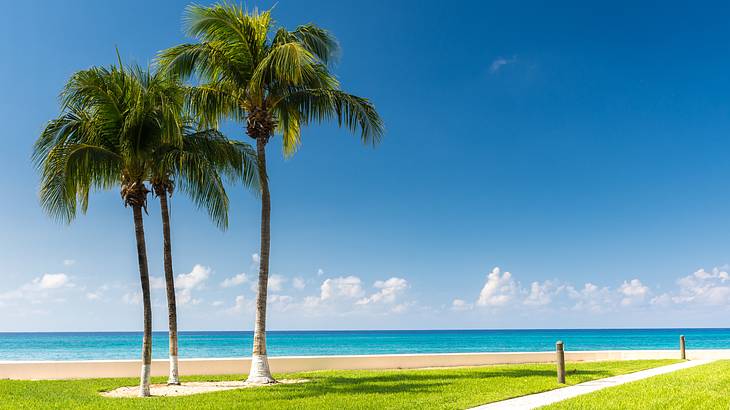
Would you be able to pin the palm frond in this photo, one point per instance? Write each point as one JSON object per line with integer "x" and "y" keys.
{"x": 316, "y": 40}
{"x": 245, "y": 32}
{"x": 212, "y": 102}
{"x": 70, "y": 172}
{"x": 209, "y": 60}
{"x": 199, "y": 166}
{"x": 286, "y": 65}
{"x": 320, "y": 105}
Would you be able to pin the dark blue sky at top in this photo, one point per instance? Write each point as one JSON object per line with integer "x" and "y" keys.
{"x": 571, "y": 141}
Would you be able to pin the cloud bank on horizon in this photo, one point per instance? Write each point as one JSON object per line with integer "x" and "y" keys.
{"x": 322, "y": 300}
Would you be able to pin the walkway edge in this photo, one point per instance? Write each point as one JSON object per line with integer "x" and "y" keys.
{"x": 536, "y": 400}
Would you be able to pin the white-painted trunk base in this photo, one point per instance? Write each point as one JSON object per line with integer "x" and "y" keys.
{"x": 260, "y": 373}
{"x": 144, "y": 381}
{"x": 174, "y": 373}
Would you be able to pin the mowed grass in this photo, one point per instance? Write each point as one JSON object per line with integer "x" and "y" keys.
{"x": 701, "y": 387}
{"x": 457, "y": 388}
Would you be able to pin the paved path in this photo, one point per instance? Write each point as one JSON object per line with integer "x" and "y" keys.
{"x": 543, "y": 399}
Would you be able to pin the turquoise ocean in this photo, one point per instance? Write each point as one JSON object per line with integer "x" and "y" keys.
{"x": 126, "y": 345}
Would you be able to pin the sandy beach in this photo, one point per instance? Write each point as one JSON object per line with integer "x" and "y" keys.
{"x": 38, "y": 370}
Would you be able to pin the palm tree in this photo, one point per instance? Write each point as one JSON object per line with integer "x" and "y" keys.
{"x": 277, "y": 81}
{"x": 196, "y": 165}
{"x": 111, "y": 123}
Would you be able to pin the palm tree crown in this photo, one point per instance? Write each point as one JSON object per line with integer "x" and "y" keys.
{"x": 278, "y": 81}
{"x": 112, "y": 122}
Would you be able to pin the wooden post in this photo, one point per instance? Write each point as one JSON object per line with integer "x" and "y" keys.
{"x": 681, "y": 348}
{"x": 561, "y": 361}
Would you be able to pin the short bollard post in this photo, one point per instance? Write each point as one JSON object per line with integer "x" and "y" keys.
{"x": 682, "y": 352}
{"x": 561, "y": 361}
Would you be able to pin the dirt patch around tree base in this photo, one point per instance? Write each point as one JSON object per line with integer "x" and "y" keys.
{"x": 188, "y": 388}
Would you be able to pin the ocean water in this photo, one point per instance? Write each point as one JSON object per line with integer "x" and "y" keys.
{"x": 127, "y": 345}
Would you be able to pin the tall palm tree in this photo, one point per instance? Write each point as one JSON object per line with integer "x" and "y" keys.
{"x": 275, "y": 80}
{"x": 197, "y": 165}
{"x": 112, "y": 121}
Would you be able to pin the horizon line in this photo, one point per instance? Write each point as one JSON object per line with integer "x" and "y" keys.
{"x": 371, "y": 330}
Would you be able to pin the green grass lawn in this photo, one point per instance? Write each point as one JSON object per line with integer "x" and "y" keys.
{"x": 384, "y": 389}
{"x": 701, "y": 387}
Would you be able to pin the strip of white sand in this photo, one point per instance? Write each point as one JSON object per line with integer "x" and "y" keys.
{"x": 88, "y": 369}
{"x": 189, "y": 388}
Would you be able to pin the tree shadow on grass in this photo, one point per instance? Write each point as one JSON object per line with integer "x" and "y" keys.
{"x": 412, "y": 382}
{"x": 440, "y": 377}
{"x": 353, "y": 388}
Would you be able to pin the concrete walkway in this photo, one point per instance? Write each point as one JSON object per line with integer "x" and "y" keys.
{"x": 553, "y": 396}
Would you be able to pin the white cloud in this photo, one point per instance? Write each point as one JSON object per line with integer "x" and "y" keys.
{"x": 41, "y": 289}
{"x": 9, "y": 295}
{"x": 217, "y": 303}
{"x": 460, "y": 304}
{"x": 93, "y": 295}
{"x": 400, "y": 308}
{"x": 69, "y": 262}
{"x": 311, "y": 302}
{"x": 187, "y": 282}
{"x": 541, "y": 294}
{"x": 298, "y": 283}
{"x": 239, "y": 279}
{"x": 633, "y": 292}
{"x": 591, "y": 298}
{"x": 663, "y": 300}
{"x": 704, "y": 288}
{"x": 97, "y": 294}
{"x": 280, "y": 298}
{"x": 52, "y": 280}
{"x": 240, "y": 304}
{"x": 500, "y": 62}
{"x": 498, "y": 290}
{"x": 320, "y": 272}
{"x": 345, "y": 295}
{"x": 276, "y": 283}
{"x": 157, "y": 282}
{"x": 502, "y": 290}
{"x": 256, "y": 259}
{"x": 132, "y": 298}
{"x": 347, "y": 286}
{"x": 389, "y": 291}
{"x": 281, "y": 302}
{"x": 194, "y": 278}
{"x": 701, "y": 288}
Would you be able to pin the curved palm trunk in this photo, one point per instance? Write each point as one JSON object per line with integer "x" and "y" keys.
{"x": 144, "y": 382}
{"x": 170, "y": 287}
{"x": 260, "y": 373}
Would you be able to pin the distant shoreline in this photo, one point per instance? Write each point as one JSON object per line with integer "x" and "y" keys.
{"x": 367, "y": 330}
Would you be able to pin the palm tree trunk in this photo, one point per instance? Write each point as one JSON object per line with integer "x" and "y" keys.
{"x": 144, "y": 382}
{"x": 260, "y": 373}
{"x": 170, "y": 286}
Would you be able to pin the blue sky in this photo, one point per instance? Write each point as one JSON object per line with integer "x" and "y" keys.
{"x": 582, "y": 148}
